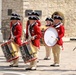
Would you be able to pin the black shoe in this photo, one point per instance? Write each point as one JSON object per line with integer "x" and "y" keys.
{"x": 55, "y": 65}
{"x": 47, "y": 58}
{"x": 37, "y": 61}
{"x": 30, "y": 69}
{"x": 13, "y": 65}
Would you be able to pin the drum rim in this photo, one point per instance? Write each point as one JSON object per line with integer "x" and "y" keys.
{"x": 6, "y": 43}
{"x": 30, "y": 60}
{"x": 13, "y": 59}
{"x": 24, "y": 43}
{"x": 44, "y": 33}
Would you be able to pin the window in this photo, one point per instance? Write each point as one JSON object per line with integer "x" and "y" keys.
{"x": 39, "y": 12}
{"x": 9, "y": 12}
{"x": 27, "y": 11}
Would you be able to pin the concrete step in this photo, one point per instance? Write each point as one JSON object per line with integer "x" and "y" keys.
{"x": 66, "y": 39}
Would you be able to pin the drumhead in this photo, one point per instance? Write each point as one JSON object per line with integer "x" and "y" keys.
{"x": 50, "y": 36}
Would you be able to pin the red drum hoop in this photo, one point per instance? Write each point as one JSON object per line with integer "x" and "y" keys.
{"x": 50, "y": 36}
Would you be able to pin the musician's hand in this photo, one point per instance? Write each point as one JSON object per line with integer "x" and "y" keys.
{"x": 56, "y": 39}
{"x": 12, "y": 39}
{"x": 33, "y": 37}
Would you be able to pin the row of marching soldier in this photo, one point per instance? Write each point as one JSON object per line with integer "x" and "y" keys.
{"x": 34, "y": 33}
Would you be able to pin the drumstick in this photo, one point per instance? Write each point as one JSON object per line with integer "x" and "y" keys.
{"x": 53, "y": 37}
{"x": 74, "y": 48}
{"x": 28, "y": 40}
{"x": 7, "y": 41}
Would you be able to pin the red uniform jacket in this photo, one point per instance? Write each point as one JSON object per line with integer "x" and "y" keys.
{"x": 34, "y": 30}
{"x": 60, "y": 29}
{"x": 38, "y": 23}
{"x": 17, "y": 32}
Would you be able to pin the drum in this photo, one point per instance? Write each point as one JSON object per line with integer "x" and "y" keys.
{"x": 27, "y": 52}
{"x": 50, "y": 36}
{"x": 43, "y": 28}
{"x": 10, "y": 51}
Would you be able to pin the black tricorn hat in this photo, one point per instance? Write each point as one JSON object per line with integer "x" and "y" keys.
{"x": 49, "y": 19}
{"x": 33, "y": 13}
{"x": 32, "y": 18}
{"x": 15, "y": 14}
{"x": 14, "y": 18}
{"x": 58, "y": 17}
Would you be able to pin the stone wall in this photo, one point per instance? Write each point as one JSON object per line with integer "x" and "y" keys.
{"x": 48, "y": 7}
{"x": 5, "y": 29}
{"x": 16, "y": 6}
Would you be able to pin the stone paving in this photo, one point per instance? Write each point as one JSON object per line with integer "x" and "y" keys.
{"x": 67, "y": 63}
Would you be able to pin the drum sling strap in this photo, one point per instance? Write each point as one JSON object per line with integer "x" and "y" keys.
{"x": 13, "y": 28}
{"x": 30, "y": 29}
{"x": 57, "y": 25}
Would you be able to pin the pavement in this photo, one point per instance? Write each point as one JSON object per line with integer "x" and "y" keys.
{"x": 67, "y": 63}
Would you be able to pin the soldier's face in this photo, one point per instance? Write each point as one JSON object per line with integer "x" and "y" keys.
{"x": 13, "y": 21}
{"x": 48, "y": 22}
{"x": 31, "y": 21}
{"x": 56, "y": 21}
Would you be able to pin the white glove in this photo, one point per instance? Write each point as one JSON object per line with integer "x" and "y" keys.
{"x": 33, "y": 37}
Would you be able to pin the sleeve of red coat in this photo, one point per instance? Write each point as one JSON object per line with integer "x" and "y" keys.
{"x": 39, "y": 23}
{"x": 62, "y": 30}
{"x": 38, "y": 32}
{"x": 19, "y": 31}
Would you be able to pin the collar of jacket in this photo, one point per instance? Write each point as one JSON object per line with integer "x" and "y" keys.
{"x": 15, "y": 23}
{"x": 58, "y": 25}
{"x": 33, "y": 24}
{"x": 48, "y": 25}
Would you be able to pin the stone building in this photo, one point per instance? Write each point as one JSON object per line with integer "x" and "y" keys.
{"x": 1, "y": 38}
{"x": 45, "y": 8}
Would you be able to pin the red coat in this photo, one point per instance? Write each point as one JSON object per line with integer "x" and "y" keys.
{"x": 38, "y": 23}
{"x": 60, "y": 31}
{"x": 17, "y": 32}
{"x": 35, "y": 31}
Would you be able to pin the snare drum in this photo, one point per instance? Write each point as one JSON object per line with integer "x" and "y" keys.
{"x": 10, "y": 51}
{"x": 27, "y": 52}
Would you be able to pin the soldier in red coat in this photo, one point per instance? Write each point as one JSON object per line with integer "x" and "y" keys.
{"x": 15, "y": 36}
{"x": 36, "y": 15}
{"x": 58, "y": 25}
{"x": 34, "y": 32}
